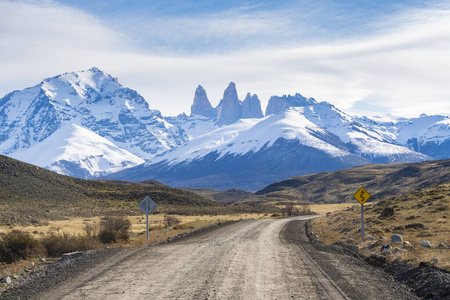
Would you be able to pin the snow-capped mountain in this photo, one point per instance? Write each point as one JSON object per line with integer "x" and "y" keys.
{"x": 251, "y": 153}
{"x": 86, "y": 124}
{"x": 95, "y": 104}
{"x": 65, "y": 152}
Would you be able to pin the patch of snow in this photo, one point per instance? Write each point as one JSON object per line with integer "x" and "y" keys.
{"x": 82, "y": 147}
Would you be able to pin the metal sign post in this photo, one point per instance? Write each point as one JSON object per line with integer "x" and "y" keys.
{"x": 362, "y": 196}
{"x": 147, "y": 205}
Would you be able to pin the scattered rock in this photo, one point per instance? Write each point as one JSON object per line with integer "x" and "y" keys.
{"x": 386, "y": 248}
{"x": 328, "y": 214}
{"x": 425, "y": 244}
{"x": 396, "y": 239}
{"x": 370, "y": 238}
{"x": 350, "y": 240}
{"x": 387, "y": 212}
{"x": 441, "y": 246}
{"x": 6, "y": 280}
{"x": 411, "y": 218}
{"x": 71, "y": 255}
{"x": 382, "y": 238}
{"x": 426, "y": 281}
{"x": 434, "y": 260}
{"x": 42, "y": 259}
{"x": 406, "y": 245}
{"x": 338, "y": 219}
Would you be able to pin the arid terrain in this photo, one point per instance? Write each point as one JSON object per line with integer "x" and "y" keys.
{"x": 255, "y": 259}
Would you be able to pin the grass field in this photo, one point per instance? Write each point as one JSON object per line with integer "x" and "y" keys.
{"x": 418, "y": 216}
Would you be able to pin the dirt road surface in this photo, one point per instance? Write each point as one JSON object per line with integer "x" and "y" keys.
{"x": 257, "y": 259}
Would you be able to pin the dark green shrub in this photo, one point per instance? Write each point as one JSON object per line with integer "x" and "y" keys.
{"x": 113, "y": 229}
{"x": 57, "y": 244}
{"x": 17, "y": 245}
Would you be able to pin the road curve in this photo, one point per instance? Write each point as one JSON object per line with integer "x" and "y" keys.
{"x": 244, "y": 260}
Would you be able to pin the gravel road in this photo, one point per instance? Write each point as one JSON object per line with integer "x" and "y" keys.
{"x": 257, "y": 259}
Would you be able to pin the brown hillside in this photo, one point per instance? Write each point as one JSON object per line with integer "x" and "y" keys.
{"x": 29, "y": 194}
{"x": 381, "y": 181}
{"x": 231, "y": 196}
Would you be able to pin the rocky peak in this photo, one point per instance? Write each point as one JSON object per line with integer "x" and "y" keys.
{"x": 201, "y": 105}
{"x": 278, "y": 104}
{"x": 251, "y": 107}
{"x": 229, "y": 110}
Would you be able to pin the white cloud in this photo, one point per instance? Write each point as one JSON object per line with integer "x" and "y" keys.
{"x": 402, "y": 70}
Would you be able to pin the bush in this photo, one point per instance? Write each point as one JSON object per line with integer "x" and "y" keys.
{"x": 90, "y": 229}
{"x": 170, "y": 221}
{"x": 113, "y": 229}
{"x": 17, "y": 245}
{"x": 57, "y": 244}
{"x": 290, "y": 210}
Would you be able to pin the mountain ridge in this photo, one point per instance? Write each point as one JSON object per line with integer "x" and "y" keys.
{"x": 124, "y": 132}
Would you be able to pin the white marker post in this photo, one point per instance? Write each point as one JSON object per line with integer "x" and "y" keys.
{"x": 147, "y": 205}
{"x": 362, "y": 196}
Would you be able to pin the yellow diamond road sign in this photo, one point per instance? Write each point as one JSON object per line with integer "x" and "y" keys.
{"x": 362, "y": 195}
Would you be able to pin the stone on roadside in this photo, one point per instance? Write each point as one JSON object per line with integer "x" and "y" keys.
{"x": 386, "y": 248}
{"x": 425, "y": 244}
{"x": 441, "y": 246}
{"x": 42, "y": 259}
{"x": 434, "y": 260}
{"x": 6, "y": 280}
{"x": 396, "y": 239}
{"x": 406, "y": 245}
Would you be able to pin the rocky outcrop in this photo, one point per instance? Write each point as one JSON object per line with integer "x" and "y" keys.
{"x": 229, "y": 109}
{"x": 201, "y": 105}
{"x": 278, "y": 104}
{"x": 251, "y": 107}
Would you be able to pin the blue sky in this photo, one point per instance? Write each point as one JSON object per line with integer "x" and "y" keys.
{"x": 365, "y": 57}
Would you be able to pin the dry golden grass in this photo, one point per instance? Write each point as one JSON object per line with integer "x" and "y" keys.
{"x": 138, "y": 224}
{"x": 322, "y": 209}
{"x": 157, "y": 232}
{"x": 430, "y": 207}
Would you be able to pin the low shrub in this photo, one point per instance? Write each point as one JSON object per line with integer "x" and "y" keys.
{"x": 113, "y": 229}
{"x": 170, "y": 221}
{"x": 57, "y": 244}
{"x": 17, "y": 245}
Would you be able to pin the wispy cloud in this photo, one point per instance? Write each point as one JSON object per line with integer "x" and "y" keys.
{"x": 401, "y": 67}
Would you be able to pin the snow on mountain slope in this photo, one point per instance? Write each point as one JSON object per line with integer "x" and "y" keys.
{"x": 77, "y": 151}
{"x": 250, "y": 135}
{"x": 90, "y": 99}
{"x": 79, "y": 110}
{"x": 194, "y": 125}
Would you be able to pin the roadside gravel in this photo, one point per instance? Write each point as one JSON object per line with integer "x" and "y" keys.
{"x": 256, "y": 259}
